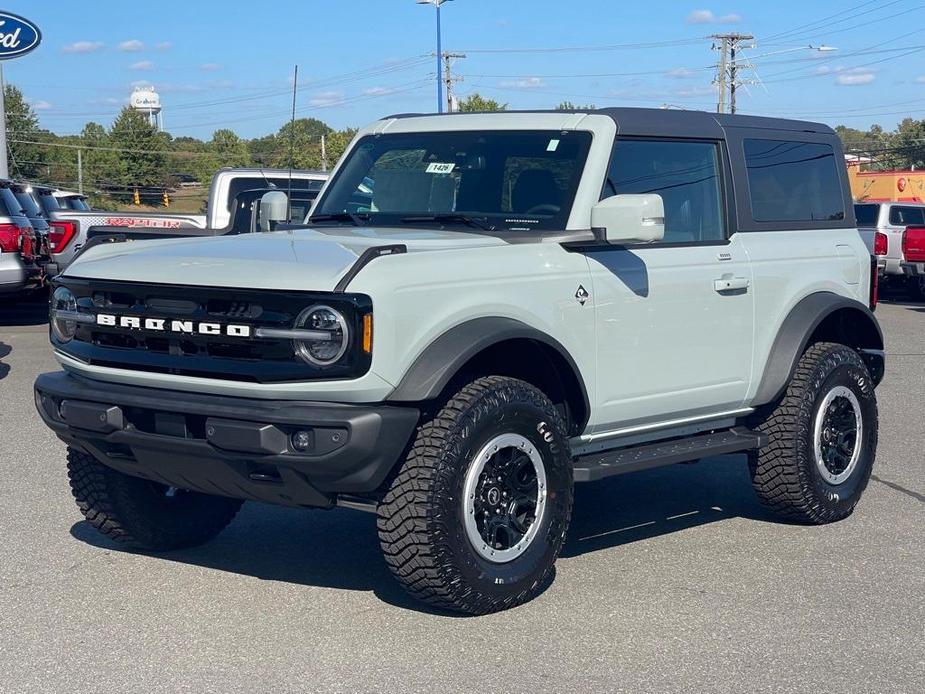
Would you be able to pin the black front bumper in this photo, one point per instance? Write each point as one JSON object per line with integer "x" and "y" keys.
{"x": 237, "y": 447}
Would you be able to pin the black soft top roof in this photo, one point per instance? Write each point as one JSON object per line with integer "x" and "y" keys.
{"x": 675, "y": 122}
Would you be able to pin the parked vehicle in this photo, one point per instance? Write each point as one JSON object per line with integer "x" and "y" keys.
{"x": 69, "y": 200}
{"x": 523, "y": 301}
{"x": 913, "y": 265}
{"x": 881, "y": 225}
{"x": 19, "y": 269}
{"x": 229, "y": 210}
{"x": 37, "y": 218}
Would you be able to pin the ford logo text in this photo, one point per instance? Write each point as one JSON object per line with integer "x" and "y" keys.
{"x": 18, "y": 36}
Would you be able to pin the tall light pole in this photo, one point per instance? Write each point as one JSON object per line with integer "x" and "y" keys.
{"x": 437, "y": 4}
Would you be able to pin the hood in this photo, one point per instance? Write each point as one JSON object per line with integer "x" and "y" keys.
{"x": 299, "y": 260}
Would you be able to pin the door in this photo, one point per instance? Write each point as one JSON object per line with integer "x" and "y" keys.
{"x": 675, "y": 320}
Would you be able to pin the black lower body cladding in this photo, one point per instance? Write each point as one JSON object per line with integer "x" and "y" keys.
{"x": 285, "y": 452}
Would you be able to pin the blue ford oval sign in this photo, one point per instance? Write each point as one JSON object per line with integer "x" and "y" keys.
{"x": 18, "y": 36}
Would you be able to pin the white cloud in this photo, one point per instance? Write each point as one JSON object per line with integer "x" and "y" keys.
{"x": 142, "y": 65}
{"x": 163, "y": 46}
{"x": 709, "y": 17}
{"x": 378, "y": 91}
{"x": 210, "y": 67}
{"x": 680, "y": 73}
{"x": 855, "y": 77}
{"x": 525, "y": 83}
{"x": 131, "y": 46}
{"x": 38, "y": 104}
{"x": 83, "y": 47}
{"x": 322, "y": 99}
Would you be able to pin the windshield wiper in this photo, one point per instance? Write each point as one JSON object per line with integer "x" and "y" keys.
{"x": 358, "y": 220}
{"x": 476, "y": 222}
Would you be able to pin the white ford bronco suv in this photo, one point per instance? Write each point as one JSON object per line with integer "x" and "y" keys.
{"x": 482, "y": 310}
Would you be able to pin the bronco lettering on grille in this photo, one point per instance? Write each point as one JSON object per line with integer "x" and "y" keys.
{"x": 181, "y": 327}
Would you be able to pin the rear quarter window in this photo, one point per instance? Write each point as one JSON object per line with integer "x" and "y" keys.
{"x": 793, "y": 182}
{"x": 902, "y": 215}
{"x": 867, "y": 215}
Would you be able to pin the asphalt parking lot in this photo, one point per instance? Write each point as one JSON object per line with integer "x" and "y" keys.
{"x": 671, "y": 580}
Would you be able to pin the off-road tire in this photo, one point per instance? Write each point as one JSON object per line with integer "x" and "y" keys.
{"x": 784, "y": 472}
{"x": 140, "y": 514}
{"x": 421, "y": 519}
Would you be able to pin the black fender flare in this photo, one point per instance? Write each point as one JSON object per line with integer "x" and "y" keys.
{"x": 445, "y": 356}
{"x": 797, "y": 329}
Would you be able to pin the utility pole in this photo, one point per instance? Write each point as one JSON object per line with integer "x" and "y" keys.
{"x": 80, "y": 172}
{"x": 727, "y": 71}
{"x": 4, "y": 164}
{"x": 324, "y": 155}
{"x": 448, "y": 78}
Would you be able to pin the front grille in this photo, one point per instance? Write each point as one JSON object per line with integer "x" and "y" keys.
{"x": 212, "y": 356}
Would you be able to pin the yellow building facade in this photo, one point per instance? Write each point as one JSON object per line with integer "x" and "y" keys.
{"x": 896, "y": 186}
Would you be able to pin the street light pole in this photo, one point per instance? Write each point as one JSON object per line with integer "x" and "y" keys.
{"x": 439, "y": 61}
{"x": 437, "y": 4}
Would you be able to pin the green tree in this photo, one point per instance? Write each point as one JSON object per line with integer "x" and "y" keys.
{"x": 26, "y": 159}
{"x": 144, "y": 162}
{"x": 102, "y": 168}
{"x": 336, "y": 144}
{"x": 476, "y": 103}
{"x": 298, "y": 144}
{"x": 569, "y": 106}
{"x": 908, "y": 144}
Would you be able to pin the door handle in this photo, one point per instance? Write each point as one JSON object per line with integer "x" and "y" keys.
{"x": 730, "y": 284}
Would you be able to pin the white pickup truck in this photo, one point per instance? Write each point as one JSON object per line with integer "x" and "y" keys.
{"x": 228, "y": 210}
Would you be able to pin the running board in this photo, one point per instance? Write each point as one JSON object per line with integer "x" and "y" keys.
{"x": 617, "y": 461}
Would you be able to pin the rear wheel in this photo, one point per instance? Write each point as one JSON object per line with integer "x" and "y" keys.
{"x": 141, "y": 514}
{"x": 822, "y": 438}
{"x": 478, "y": 511}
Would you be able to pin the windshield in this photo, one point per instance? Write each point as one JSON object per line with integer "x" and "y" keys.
{"x": 28, "y": 204}
{"x": 510, "y": 180}
{"x": 74, "y": 203}
{"x": 867, "y": 215}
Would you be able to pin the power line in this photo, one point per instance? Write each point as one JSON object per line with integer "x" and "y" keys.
{"x": 826, "y": 21}
{"x": 582, "y": 49}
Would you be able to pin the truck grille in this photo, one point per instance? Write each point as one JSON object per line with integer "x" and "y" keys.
{"x": 223, "y": 356}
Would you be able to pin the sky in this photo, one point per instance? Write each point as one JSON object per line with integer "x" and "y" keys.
{"x": 229, "y": 63}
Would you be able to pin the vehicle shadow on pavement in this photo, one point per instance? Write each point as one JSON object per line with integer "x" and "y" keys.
{"x": 329, "y": 549}
{"x": 5, "y": 349}
{"x": 635, "y": 507}
{"x": 29, "y": 311}
{"x": 339, "y": 549}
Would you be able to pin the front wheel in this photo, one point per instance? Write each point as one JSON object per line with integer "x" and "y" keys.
{"x": 141, "y": 514}
{"x": 478, "y": 511}
{"x": 822, "y": 438}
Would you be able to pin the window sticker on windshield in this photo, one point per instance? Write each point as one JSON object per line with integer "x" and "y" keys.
{"x": 552, "y": 146}
{"x": 438, "y": 168}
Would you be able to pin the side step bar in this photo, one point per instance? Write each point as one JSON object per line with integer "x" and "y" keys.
{"x": 648, "y": 455}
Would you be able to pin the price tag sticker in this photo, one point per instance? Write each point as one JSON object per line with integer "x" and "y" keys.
{"x": 439, "y": 168}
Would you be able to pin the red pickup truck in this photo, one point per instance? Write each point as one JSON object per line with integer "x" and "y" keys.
{"x": 913, "y": 264}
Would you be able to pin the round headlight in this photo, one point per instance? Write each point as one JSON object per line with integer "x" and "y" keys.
{"x": 63, "y": 300}
{"x": 333, "y": 335}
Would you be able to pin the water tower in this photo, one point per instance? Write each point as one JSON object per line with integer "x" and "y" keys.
{"x": 148, "y": 101}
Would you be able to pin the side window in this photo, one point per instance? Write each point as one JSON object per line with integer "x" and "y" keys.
{"x": 793, "y": 181}
{"x": 907, "y": 216}
{"x": 685, "y": 174}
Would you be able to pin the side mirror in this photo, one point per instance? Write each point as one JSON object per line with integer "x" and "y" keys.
{"x": 274, "y": 208}
{"x": 630, "y": 218}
